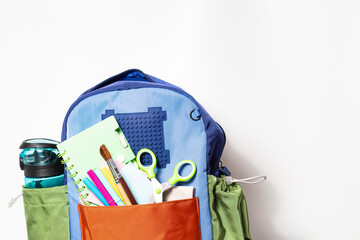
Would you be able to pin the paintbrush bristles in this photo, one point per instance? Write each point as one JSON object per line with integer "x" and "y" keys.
{"x": 105, "y": 152}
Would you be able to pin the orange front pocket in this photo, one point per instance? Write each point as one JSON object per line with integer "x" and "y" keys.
{"x": 168, "y": 220}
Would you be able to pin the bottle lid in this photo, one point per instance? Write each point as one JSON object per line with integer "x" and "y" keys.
{"x": 38, "y": 142}
{"x": 42, "y": 149}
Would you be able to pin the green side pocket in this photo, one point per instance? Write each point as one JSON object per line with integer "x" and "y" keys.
{"x": 229, "y": 215}
{"x": 47, "y": 213}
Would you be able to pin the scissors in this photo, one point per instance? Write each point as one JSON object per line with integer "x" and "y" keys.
{"x": 158, "y": 188}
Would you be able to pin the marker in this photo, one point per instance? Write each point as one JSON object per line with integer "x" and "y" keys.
{"x": 108, "y": 187}
{"x": 94, "y": 190}
{"x": 93, "y": 199}
{"x": 101, "y": 187}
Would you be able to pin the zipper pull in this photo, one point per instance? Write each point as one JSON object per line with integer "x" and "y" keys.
{"x": 250, "y": 180}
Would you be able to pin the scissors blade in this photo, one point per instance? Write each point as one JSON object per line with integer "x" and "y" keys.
{"x": 157, "y": 190}
{"x": 165, "y": 186}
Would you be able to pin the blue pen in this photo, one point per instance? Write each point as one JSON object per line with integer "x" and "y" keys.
{"x": 108, "y": 187}
{"x": 96, "y": 191}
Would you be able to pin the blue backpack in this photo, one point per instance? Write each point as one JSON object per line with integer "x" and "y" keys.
{"x": 180, "y": 129}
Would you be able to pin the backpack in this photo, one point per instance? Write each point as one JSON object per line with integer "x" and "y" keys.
{"x": 180, "y": 128}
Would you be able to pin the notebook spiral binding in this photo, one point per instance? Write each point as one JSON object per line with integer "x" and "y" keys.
{"x": 72, "y": 175}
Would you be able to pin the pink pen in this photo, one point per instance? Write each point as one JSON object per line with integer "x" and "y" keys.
{"x": 101, "y": 187}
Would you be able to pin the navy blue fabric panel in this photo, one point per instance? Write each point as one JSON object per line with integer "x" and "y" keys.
{"x": 144, "y": 130}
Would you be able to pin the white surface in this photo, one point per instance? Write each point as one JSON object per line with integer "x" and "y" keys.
{"x": 281, "y": 77}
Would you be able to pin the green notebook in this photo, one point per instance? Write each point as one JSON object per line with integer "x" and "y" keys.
{"x": 82, "y": 151}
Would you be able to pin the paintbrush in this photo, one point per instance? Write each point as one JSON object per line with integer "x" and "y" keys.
{"x": 119, "y": 180}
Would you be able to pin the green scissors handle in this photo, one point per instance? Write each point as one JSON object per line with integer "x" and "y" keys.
{"x": 150, "y": 170}
{"x": 176, "y": 176}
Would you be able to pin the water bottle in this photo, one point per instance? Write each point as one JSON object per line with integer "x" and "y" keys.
{"x": 40, "y": 162}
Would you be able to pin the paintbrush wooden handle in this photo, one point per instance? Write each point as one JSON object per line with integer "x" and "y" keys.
{"x": 128, "y": 192}
{"x": 123, "y": 194}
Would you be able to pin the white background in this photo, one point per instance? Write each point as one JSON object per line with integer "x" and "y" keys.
{"x": 281, "y": 77}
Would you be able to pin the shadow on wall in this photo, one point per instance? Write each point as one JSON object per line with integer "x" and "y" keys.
{"x": 262, "y": 199}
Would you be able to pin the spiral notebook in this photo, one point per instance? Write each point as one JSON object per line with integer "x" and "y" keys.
{"x": 82, "y": 151}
